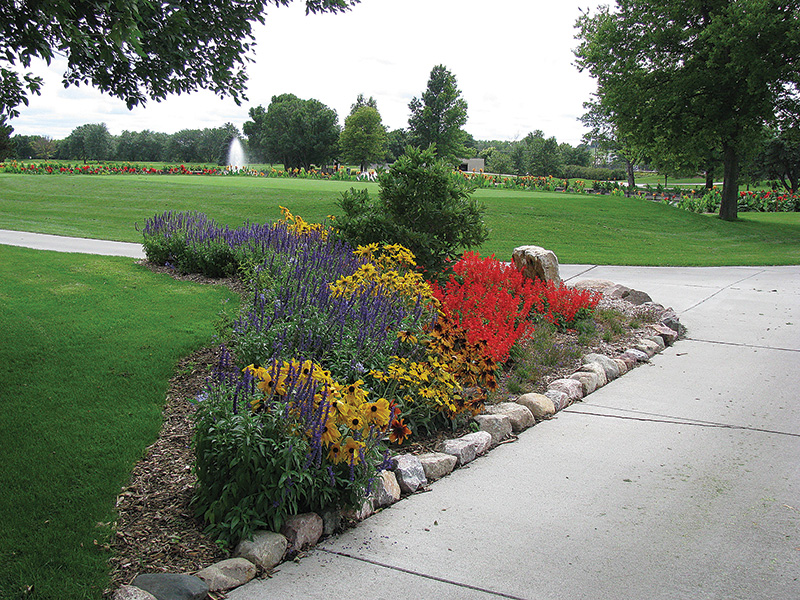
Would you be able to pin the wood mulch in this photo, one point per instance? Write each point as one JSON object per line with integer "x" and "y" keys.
{"x": 156, "y": 530}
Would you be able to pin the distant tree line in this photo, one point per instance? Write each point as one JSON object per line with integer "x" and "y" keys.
{"x": 94, "y": 142}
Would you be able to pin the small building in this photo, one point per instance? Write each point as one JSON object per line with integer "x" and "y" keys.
{"x": 470, "y": 165}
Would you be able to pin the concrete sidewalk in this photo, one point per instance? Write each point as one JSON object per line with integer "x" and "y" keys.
{"x": 679, "y": 480}
{"x": 41, "y": 241}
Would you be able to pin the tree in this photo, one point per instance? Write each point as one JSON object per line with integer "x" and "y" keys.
{"x": 605, "y": 135}
{"x": 421, "y": 206}
{"x": 184, "y": 146}
{"x": 6, "y": 146}
{"x": 396, "y": 142}
{"x": 295, "y": 132}
{"x": 780, "y": 158}
{"x": 361, "y": 103}
{"x": 135, "y": 49}
{"x": 438, "y": 116}
{"x": 540, "y": 157}
{"x": 43, "y": 147}
{"x": 363, "y": 139}
{"x": 89, "y": 142}
{"x": 708, "y": 74}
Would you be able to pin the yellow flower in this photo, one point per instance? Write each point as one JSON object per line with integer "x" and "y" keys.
{"x": 335, "y": 454}
{"x": 353, "y": 394}
{"x": 352, "y": 451}
{"x": 377, "y": 412}
{"x": 406, "y": 336}
{"x": 356, "y": 421}
{"x": 331, "y": 434}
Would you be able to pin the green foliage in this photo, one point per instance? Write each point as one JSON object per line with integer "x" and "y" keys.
{"x": 542, "y": 156}
{"x": 438, "y": 116}
{"x": 421, "y": 206}
{"x": 780, "y": 158}
{"x": 135, "y": 49}
{"x": 294, "y": 132}
{"x": 92, "y": 141}
{"x": 363, "y": 139}
{"x": 253, "y": 469}
{"x": 396, "y": 142}
{"x": 6, "y": 145}
{"x": 711, "y": 75}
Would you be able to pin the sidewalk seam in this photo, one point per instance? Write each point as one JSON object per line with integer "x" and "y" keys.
{"x": 722, "y": 289}
{"x": 431, "y": 577}
{"x": 741, "y": 345}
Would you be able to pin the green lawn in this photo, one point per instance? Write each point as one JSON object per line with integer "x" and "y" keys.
{"x": 580, "y": 229}
{"x": 89, "y": 345}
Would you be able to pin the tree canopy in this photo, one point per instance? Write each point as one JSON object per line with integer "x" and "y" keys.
{"x": 363, "y": 139}
{"x": 690, "y": 77}
{"x": 438, "y": 116}
{"x": 134, "y": 49}
{"x": 293, "y": 131}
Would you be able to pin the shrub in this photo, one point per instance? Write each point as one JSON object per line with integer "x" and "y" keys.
{"x": 421, "y": 206}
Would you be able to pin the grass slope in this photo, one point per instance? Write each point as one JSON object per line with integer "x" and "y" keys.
{"x": 579, "y": 228}
{"x": 89, "y": 344}
{"x": 629, "y": 231}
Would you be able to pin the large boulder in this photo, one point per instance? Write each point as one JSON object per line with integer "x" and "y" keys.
{"x": 536, "y": 262}
{"x": 540, "y": 405}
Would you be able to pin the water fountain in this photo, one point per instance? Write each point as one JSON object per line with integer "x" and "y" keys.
{"x": 236, "y": 157}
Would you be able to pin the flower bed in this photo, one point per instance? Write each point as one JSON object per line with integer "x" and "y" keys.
{"x": 341, "y": 354}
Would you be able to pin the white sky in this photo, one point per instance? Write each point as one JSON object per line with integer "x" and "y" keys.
{"x": 512, "y": 58}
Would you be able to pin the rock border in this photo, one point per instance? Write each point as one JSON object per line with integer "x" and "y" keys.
{"x": 410, "y": 473}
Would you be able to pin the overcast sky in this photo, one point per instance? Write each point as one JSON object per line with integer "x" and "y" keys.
{"x": 512, "y": 58}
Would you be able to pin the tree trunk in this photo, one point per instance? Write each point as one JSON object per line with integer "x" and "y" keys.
{"x": 728, "y": 209}
{"x": 710, "y": 178}
{"x": 631, "y": 177}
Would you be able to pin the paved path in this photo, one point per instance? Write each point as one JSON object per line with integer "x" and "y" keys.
{"x": 40, "y": 241}
{"x": 681, "y": 480}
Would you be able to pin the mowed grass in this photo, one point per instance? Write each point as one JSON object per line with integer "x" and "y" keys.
{"x": 88, "y": 347}
{"x": 578, "y": 228}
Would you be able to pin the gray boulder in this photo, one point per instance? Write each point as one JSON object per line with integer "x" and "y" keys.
{"x": 536, "y": 262}
{"x": 521, "y": 418}
{"x": 227, "y": 574}
{"x": 409, "y": 472}
{"x": 498, "y": 426}
{"x": 265, "y": 550}
{"x": 464, "y": 451}
{"x": 302, "y": 531}
{"x": 172, "y": 586}
{"x": 482, "y": 440}
{"x": 437, "y": 464}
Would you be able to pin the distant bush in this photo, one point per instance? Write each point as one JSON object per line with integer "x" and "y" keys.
{"x": 421, "y": 206}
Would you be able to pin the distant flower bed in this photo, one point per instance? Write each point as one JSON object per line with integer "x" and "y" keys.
{"x": 708, "y": 201}
{"x": 339, "y": 354}
{"x": 481, "y": 180}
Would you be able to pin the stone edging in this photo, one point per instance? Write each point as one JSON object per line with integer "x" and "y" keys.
{"x": 410, "y": 473}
